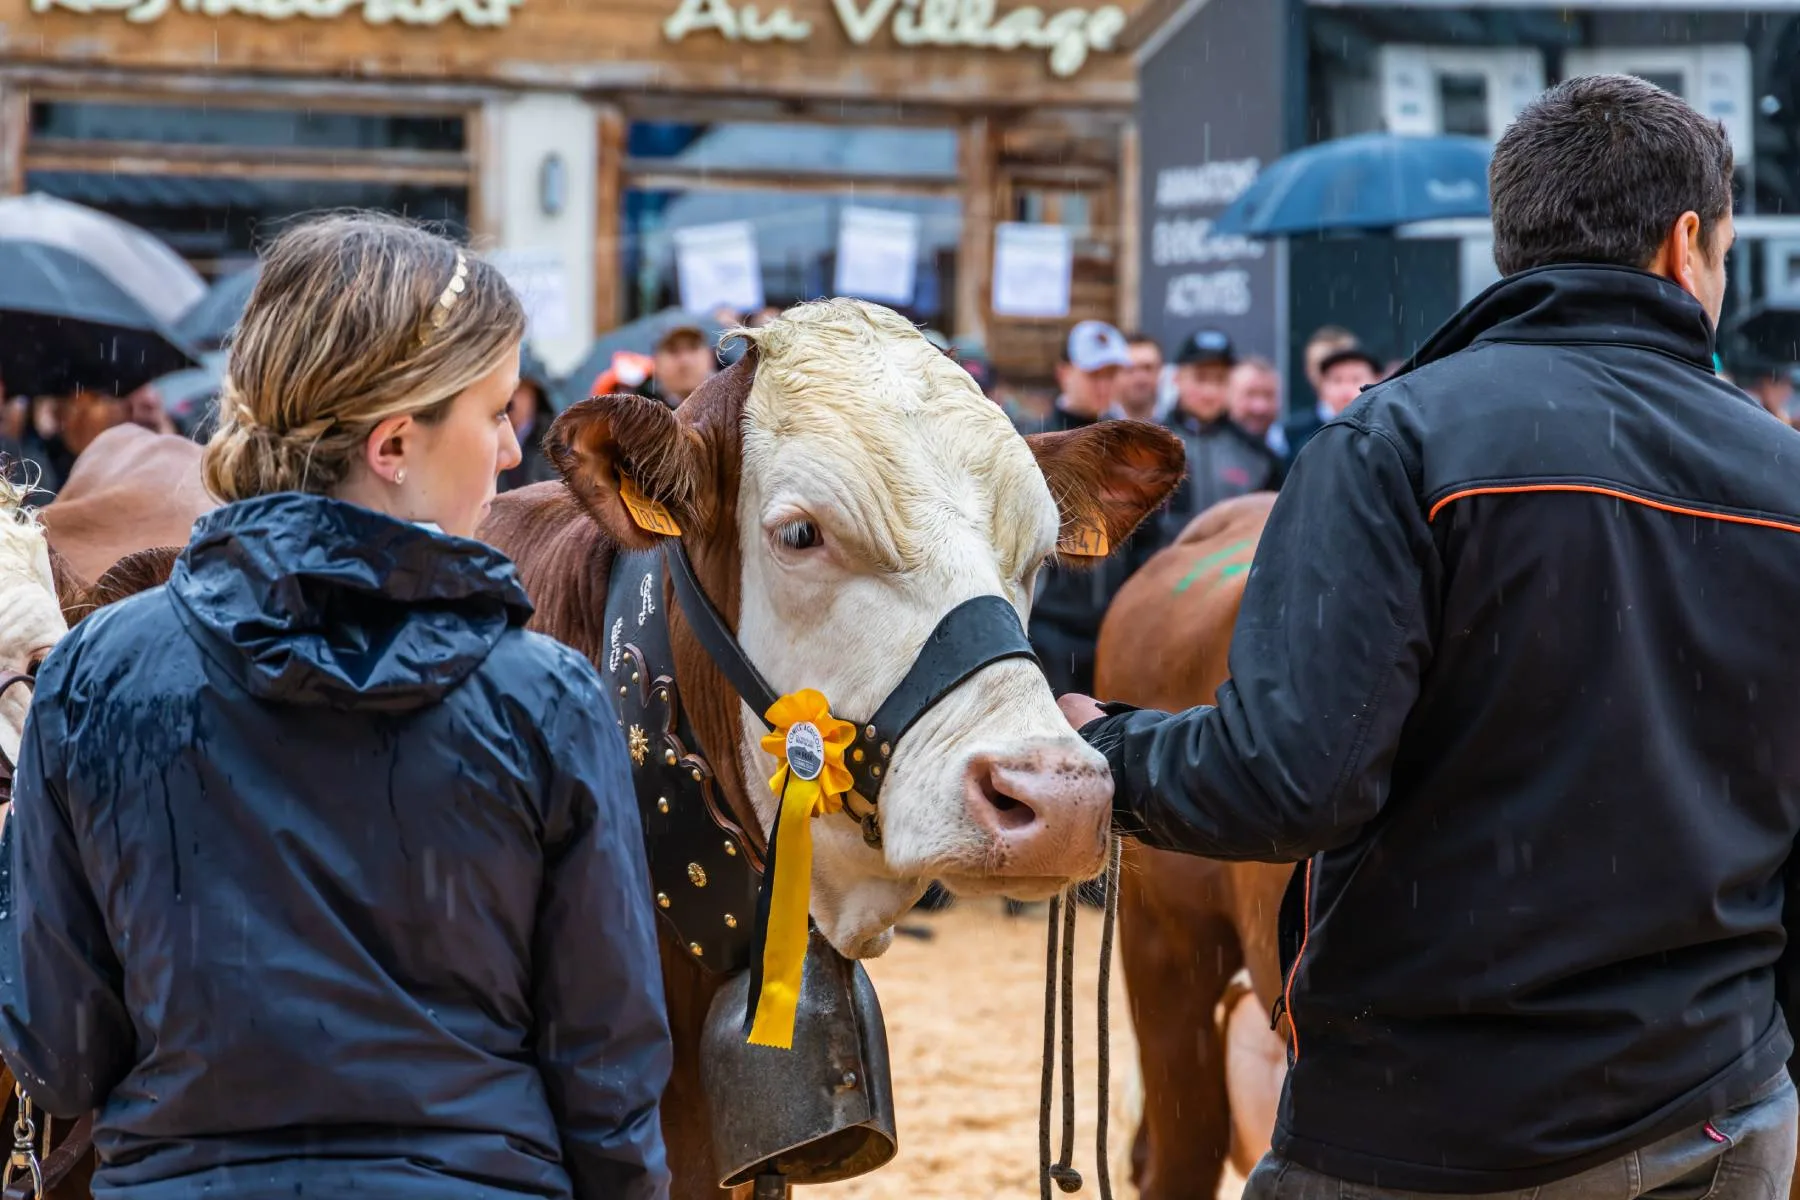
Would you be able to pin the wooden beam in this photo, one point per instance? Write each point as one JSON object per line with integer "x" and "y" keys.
{"x": 1130, "y": 239}
{"x": 106, "y": 84}
{"x": 609, "y": 203}
{"x": 481, "y": 134}
{"x": 15, "y": 128}
{"x": 249, "y": 162}
{"x": 977, "y": 149}
{"x": 649, "y": 173}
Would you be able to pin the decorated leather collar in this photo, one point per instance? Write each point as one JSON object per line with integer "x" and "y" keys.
{"x": 704, "y": 867}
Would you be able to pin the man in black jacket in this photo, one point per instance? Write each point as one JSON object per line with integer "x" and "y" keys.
{"x": 1511, "y": 680}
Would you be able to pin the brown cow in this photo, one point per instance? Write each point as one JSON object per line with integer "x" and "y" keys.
{"x": 130, "y": 490}
{"x": 839, "y": 490}
{"x": 1188, "y": 925}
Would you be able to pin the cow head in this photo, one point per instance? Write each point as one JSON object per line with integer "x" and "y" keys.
{"x": 840, "y": 489}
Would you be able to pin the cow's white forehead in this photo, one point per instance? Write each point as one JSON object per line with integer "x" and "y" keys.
{"x": 850, "y": 397}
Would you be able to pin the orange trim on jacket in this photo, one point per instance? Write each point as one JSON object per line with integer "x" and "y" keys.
{"x": 1595, "y": 489}
{"x": 1287, "y": 993}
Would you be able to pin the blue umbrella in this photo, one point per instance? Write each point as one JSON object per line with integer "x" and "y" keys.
{"x": 1371, "y": 181}
{"x": 212, "y": 318}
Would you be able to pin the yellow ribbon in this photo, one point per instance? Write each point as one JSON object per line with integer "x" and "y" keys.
{"x": 796, "y": 718}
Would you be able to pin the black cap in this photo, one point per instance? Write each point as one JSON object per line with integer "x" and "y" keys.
{"x": 1351, "y": 353}
{"x": 1205, "y": 347}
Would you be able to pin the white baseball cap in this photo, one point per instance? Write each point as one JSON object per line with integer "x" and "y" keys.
{"x": 1094, "y": 345}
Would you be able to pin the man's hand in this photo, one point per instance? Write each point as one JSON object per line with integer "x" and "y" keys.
{"x": 1079, "y": 709}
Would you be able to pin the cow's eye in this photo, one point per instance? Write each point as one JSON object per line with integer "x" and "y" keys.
{"x": 798, "y": 535}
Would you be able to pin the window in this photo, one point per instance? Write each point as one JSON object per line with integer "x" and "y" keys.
{"x": 1463, "y": 103}
{"x": 215, "y": 180}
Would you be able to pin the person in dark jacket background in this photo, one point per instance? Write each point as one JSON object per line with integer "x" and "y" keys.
{"x": 1224, "y": 459}
{"x": 1504, "y": 680}
{"x": 1072, "y": 599}
{"x": 531, "y": 413}
{"x": 324, "y": 875}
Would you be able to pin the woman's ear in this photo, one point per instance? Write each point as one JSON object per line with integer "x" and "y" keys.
{"x": 385, "y": 451}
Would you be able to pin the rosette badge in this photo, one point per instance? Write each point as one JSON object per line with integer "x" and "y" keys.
{"x": 811, "y": 781}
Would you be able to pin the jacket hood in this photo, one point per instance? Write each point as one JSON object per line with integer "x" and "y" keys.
{"x": 1579, "y": 304}
{"x": 309, "y": 600}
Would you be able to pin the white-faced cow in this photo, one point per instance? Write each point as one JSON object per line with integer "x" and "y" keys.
{"x": 840, "y": 490}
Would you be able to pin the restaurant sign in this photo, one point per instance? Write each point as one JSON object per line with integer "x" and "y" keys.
{"x": 375, "y": 12}
{"x": 1069, "y": 35}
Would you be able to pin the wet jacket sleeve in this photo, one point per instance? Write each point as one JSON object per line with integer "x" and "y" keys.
{"x": 603, "y": 1033}
{"x": 1331, "y": 640}
{"x": 64, "y": 1028}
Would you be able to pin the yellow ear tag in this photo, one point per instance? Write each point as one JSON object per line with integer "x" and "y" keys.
{"x": 650, "y": 516}
{"x": 1085, "y": 537}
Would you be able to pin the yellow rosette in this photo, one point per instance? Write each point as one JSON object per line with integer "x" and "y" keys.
{"x": 811, "y": 781}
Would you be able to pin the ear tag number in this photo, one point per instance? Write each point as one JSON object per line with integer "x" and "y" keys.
{"x": 649, "y": 515}
{"x": 1085, "y": 537}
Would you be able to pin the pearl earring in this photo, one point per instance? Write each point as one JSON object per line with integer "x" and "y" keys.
{"x": 400, "y": 477}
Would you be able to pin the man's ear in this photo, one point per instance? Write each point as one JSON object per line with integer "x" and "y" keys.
{"x": 631, "y": 463}
{"x": 1106, "y": 479}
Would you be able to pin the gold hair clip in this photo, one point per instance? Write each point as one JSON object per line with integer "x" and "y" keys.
{"x": 440, "y": 312}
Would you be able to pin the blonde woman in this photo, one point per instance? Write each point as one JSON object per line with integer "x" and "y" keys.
{"x": 324, "y": 875}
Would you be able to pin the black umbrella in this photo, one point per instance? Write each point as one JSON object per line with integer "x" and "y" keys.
{"x": 1762, "y": 331}
{"x": 65, "y": 324}
{"x": 212, "y": 318}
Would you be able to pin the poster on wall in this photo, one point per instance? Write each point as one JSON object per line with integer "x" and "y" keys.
{"x": 1203, "y": 137}
{"x": 877, "y": 255}
{"x": 1032, "y": 269}
{"x": 717, "y": 267}
{"x": 541, "y": 279}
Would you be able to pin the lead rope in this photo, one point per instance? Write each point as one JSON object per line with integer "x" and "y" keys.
{"x": 1059, "y": 992}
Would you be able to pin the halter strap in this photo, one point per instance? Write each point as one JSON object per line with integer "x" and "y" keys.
{"x": 720, "y": 644}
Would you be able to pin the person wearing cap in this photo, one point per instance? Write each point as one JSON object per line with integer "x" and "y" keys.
{"x": 683, "y": 362}
{"x": 1065, "y": 619}
{"x": 679, "y": 363}
{"x": 1223, "y": 459}
{"x": 1343, "y": 374}
{"x": 530, "y": 411}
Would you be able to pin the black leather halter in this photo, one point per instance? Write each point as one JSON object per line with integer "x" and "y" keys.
{"x": 973, "y": 635}
{"x": 706, "y": 869}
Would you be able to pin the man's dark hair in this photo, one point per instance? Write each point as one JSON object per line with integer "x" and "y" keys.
{"x": 1138, "y": 337}
{"x": 1598, "y": 169}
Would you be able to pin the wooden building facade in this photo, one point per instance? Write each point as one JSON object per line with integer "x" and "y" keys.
{"x": 584, "y": 132}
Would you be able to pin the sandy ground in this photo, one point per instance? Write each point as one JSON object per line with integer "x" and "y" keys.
{"x": 964, "y": 1015}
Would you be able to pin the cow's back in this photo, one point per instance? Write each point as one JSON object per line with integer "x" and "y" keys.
{"x": 564, "y": 561}
{"x": 130, "y": 490}
{"x": 1166, "y": 636}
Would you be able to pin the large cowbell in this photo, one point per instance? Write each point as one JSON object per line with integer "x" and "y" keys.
{"x": 818, "y": 1113}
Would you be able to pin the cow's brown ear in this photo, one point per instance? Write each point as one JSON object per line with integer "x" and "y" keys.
{"x": 1106, "y": 479}
{"x": 632, "y": 463}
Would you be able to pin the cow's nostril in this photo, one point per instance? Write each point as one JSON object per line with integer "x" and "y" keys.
{"x": 1008, "y": 813}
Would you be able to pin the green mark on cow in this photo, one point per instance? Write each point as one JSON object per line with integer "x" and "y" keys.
{"x": 1187, "y": 581}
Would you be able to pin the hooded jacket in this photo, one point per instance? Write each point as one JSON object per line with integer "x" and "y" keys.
{"x": 1510, "y": 678}
{"x": 324, "y": 877}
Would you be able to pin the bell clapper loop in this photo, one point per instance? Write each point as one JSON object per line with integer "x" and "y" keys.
{"x": 24, "y": 1157}
{"x": 772, "y": 1185}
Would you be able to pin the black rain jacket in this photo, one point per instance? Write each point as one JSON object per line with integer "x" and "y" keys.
{"x": 324, "y": 878}
{"x": 1514, "y": 678}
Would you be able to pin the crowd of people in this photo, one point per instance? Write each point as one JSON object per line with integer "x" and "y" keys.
{"x": 1227, "y": 409}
